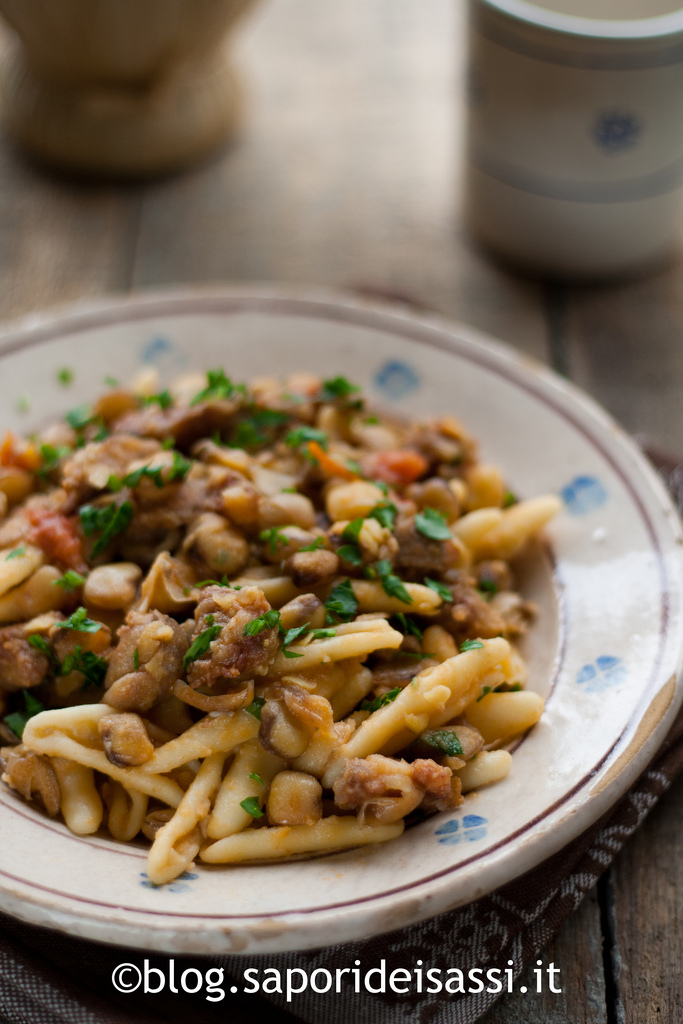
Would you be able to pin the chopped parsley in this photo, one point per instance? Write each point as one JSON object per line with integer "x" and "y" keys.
{"x": 256, "y": 778}
{"x": 290, "y": 637}
{"x": 65, "y": 376}
{"x": 273, "y": 537}
{"x": 269, "y": 620}
{"x": 18, "y": 719}
{"x": 350, "y": 553}
{"x": 371, "y": 421}
{"x": 406, "y": 625}
{"x": 93, "y": 668}
{"x": 52, "y": 457}
{"x": 201, "y": 643}
{"x": 258, "y": 428}
{"x": 180, "y": 467}
{"x": 167, "y": 443}
{"x": 323, "y": 634}
{"x": 24, "y": 403}
{"x": 255, "y": 707}
{"x": 509, "y": 499}
{"x": 41, "y": 644}
{"x": 164, "y": 399}
{"x": 444, "y": 740}
{"x": 108, "y": 521}
{"x": 439, "y": 588}
{"x": 485, "y": 690}
{"x": 432, "y": 524}
{"x": 302, "y": 435}
{"x": 80, "y": 622}
{"x": 136, "y": 659}
{"x": 470, "y": 645}
{"x": 351, "y": 531}
{"x": 80, "y": 417}
{"x": 71, "y": 580}
{"x": 380, "y": 702}
{"x": 337, "y": 387}
{"x": 212, "y": 583}
{"x": 317, "y": 543}
{"x": 111, "y": 382}
{"x": 385, "y": 513}
{"x": 342, "y": 601}
{"x": 218, "y": 387}
{"x": 391, "y": 584}
{"x": 17, "y": 553}
{"x": 251, "y": 806}
{"x": 134, "y": 478}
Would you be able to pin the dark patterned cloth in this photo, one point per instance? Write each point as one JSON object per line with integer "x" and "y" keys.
{"x": 46, "y": 978}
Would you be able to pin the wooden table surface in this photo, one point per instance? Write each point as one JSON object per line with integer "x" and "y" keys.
{"x": 347, "y": 174}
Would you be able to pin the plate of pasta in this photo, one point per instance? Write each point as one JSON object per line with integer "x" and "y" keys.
{"x": 316, "y": 618}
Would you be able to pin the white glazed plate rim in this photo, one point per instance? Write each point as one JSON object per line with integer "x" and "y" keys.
{"x": 496, "y": 865}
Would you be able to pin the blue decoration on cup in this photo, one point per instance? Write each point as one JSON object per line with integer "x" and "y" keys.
{"x": 602, "y": 674}
{"x": 469, "y": 830}
{"x": 177, "y": 885}
{"x": 615, "y": 131}
{"x": 155, "y": 349}
{"x": 396, "y": 379}
{"x": 583, "y": 494}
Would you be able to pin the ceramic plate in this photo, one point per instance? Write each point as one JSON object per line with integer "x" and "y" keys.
{"x": 606, "y": 650}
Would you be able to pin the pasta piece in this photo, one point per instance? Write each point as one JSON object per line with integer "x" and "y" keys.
{"x": 218, "y": 731}
{"x": 18, "y": 564}
{"x": 372, "y": 597}
{"x": 392, "y": 727}
{"x": 484, "y": 768}
{"x": 328, "y": 835}
{"x": 498, "y": 716}
{"x": 348, "y": 643}
{"x": 127, "y": 810}
{"x": 358, "y": 685}
{"x": 437, "y": 642}
{"x": 251, "y": 764}
{"x": 81, "y": 803}
{"x": 519, "y": 523}
{"x": 177, "y": 844}
{"x": 66, "y": 732}
{"x": 37, "y": 595}
{"x": 472, "y": 527}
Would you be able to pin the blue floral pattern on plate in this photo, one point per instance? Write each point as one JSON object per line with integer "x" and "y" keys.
{"x": 178, "y": 884}
{"x": 602, "y": 674}
{"x": 396, "y": 379}
{"x": 466, "y": 830}
{"x": 615, "y": 131}
{"x": 583, "y": 495}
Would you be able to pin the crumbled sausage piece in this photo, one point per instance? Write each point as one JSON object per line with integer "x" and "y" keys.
{"x": 418, "y": 555}
{"x": 89, "y": 468}
{"x": 185, "y": 424}
{"x": 493, "y": 575}
{"x": 157, "y": 644}
{"x": 515, "y": 612}
{"x": 470, "y": 614}
{"x": 33, "y": 777}
{"x": 57, "y": 536}
{"x": 388, "y": 789}
{"x": 232, "y": 655}
{"x": 125, "y": 739}
{"x": 21, "y": 665}
{"x": 312, "y": 568}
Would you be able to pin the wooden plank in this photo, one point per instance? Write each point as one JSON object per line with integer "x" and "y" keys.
{"x": 347, "y": 171}
{"x": 648, "y": 915}
{"x": 624, "y": 346}
{"x": 577, "y": 951}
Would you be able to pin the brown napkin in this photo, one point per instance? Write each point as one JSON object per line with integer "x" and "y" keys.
{"x": 48, "y": 978}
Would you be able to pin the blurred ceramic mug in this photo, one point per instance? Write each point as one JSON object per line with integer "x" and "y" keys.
{"x": 575, "y": 137}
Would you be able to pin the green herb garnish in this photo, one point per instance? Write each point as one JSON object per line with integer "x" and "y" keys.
{"x": 18, "y": 719}
{"x": 256, "y": 778}
{"x": 406, "y": 625}
{"x": 80, "y": 417}
{"x": 17, "y": 553}
{"x": 65, "y": 376}
{"x": 380, "y": 702}
{"x": 255, "y": 707}
{"x": 444, "y": 740}
{"x": 88, "y": 663}
{"x": 317, "y": 543}
{"x": 111, "y": 382}
{"x": 391, "y": 583}
{"x": 290, "y": 637}
{"x": 71, "y": 580}
{"x": 273, "y": 537}
{"x": 439, "y": 588}
{"x": 268, "y": 620}
{"x": 218, "y": 387}
{"x": 431, "y": 523}
{"x": 108, "y": 521}
{"x": 302, "y": 435}
{"x": 80, "y": 622}
{"x": 485, "y": 690}
{"x": 337, "y": 387}
{"x": 342, "y": 601}
{"x": 52, "y": 457}
{"x": 136, "y": 659}
{"x": 509, "y": 499}
{"x": 251, "y": 806}
{"x": 385, "y": 513}
{"x": 201, "y": 643}
{"x": 164, "y": 399}
{"x": 470, "y": 645}
{"x": 133, "y": 479}
{"x": 180, "y": 468}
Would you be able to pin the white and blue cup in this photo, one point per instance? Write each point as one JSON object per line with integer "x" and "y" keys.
{"x": 575, "y": 133}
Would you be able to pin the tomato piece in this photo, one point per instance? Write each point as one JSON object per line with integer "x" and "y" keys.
{"x": 57, "y": 535}
{"x": 399, "y": 468}
{"x": 329, "y": 465}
